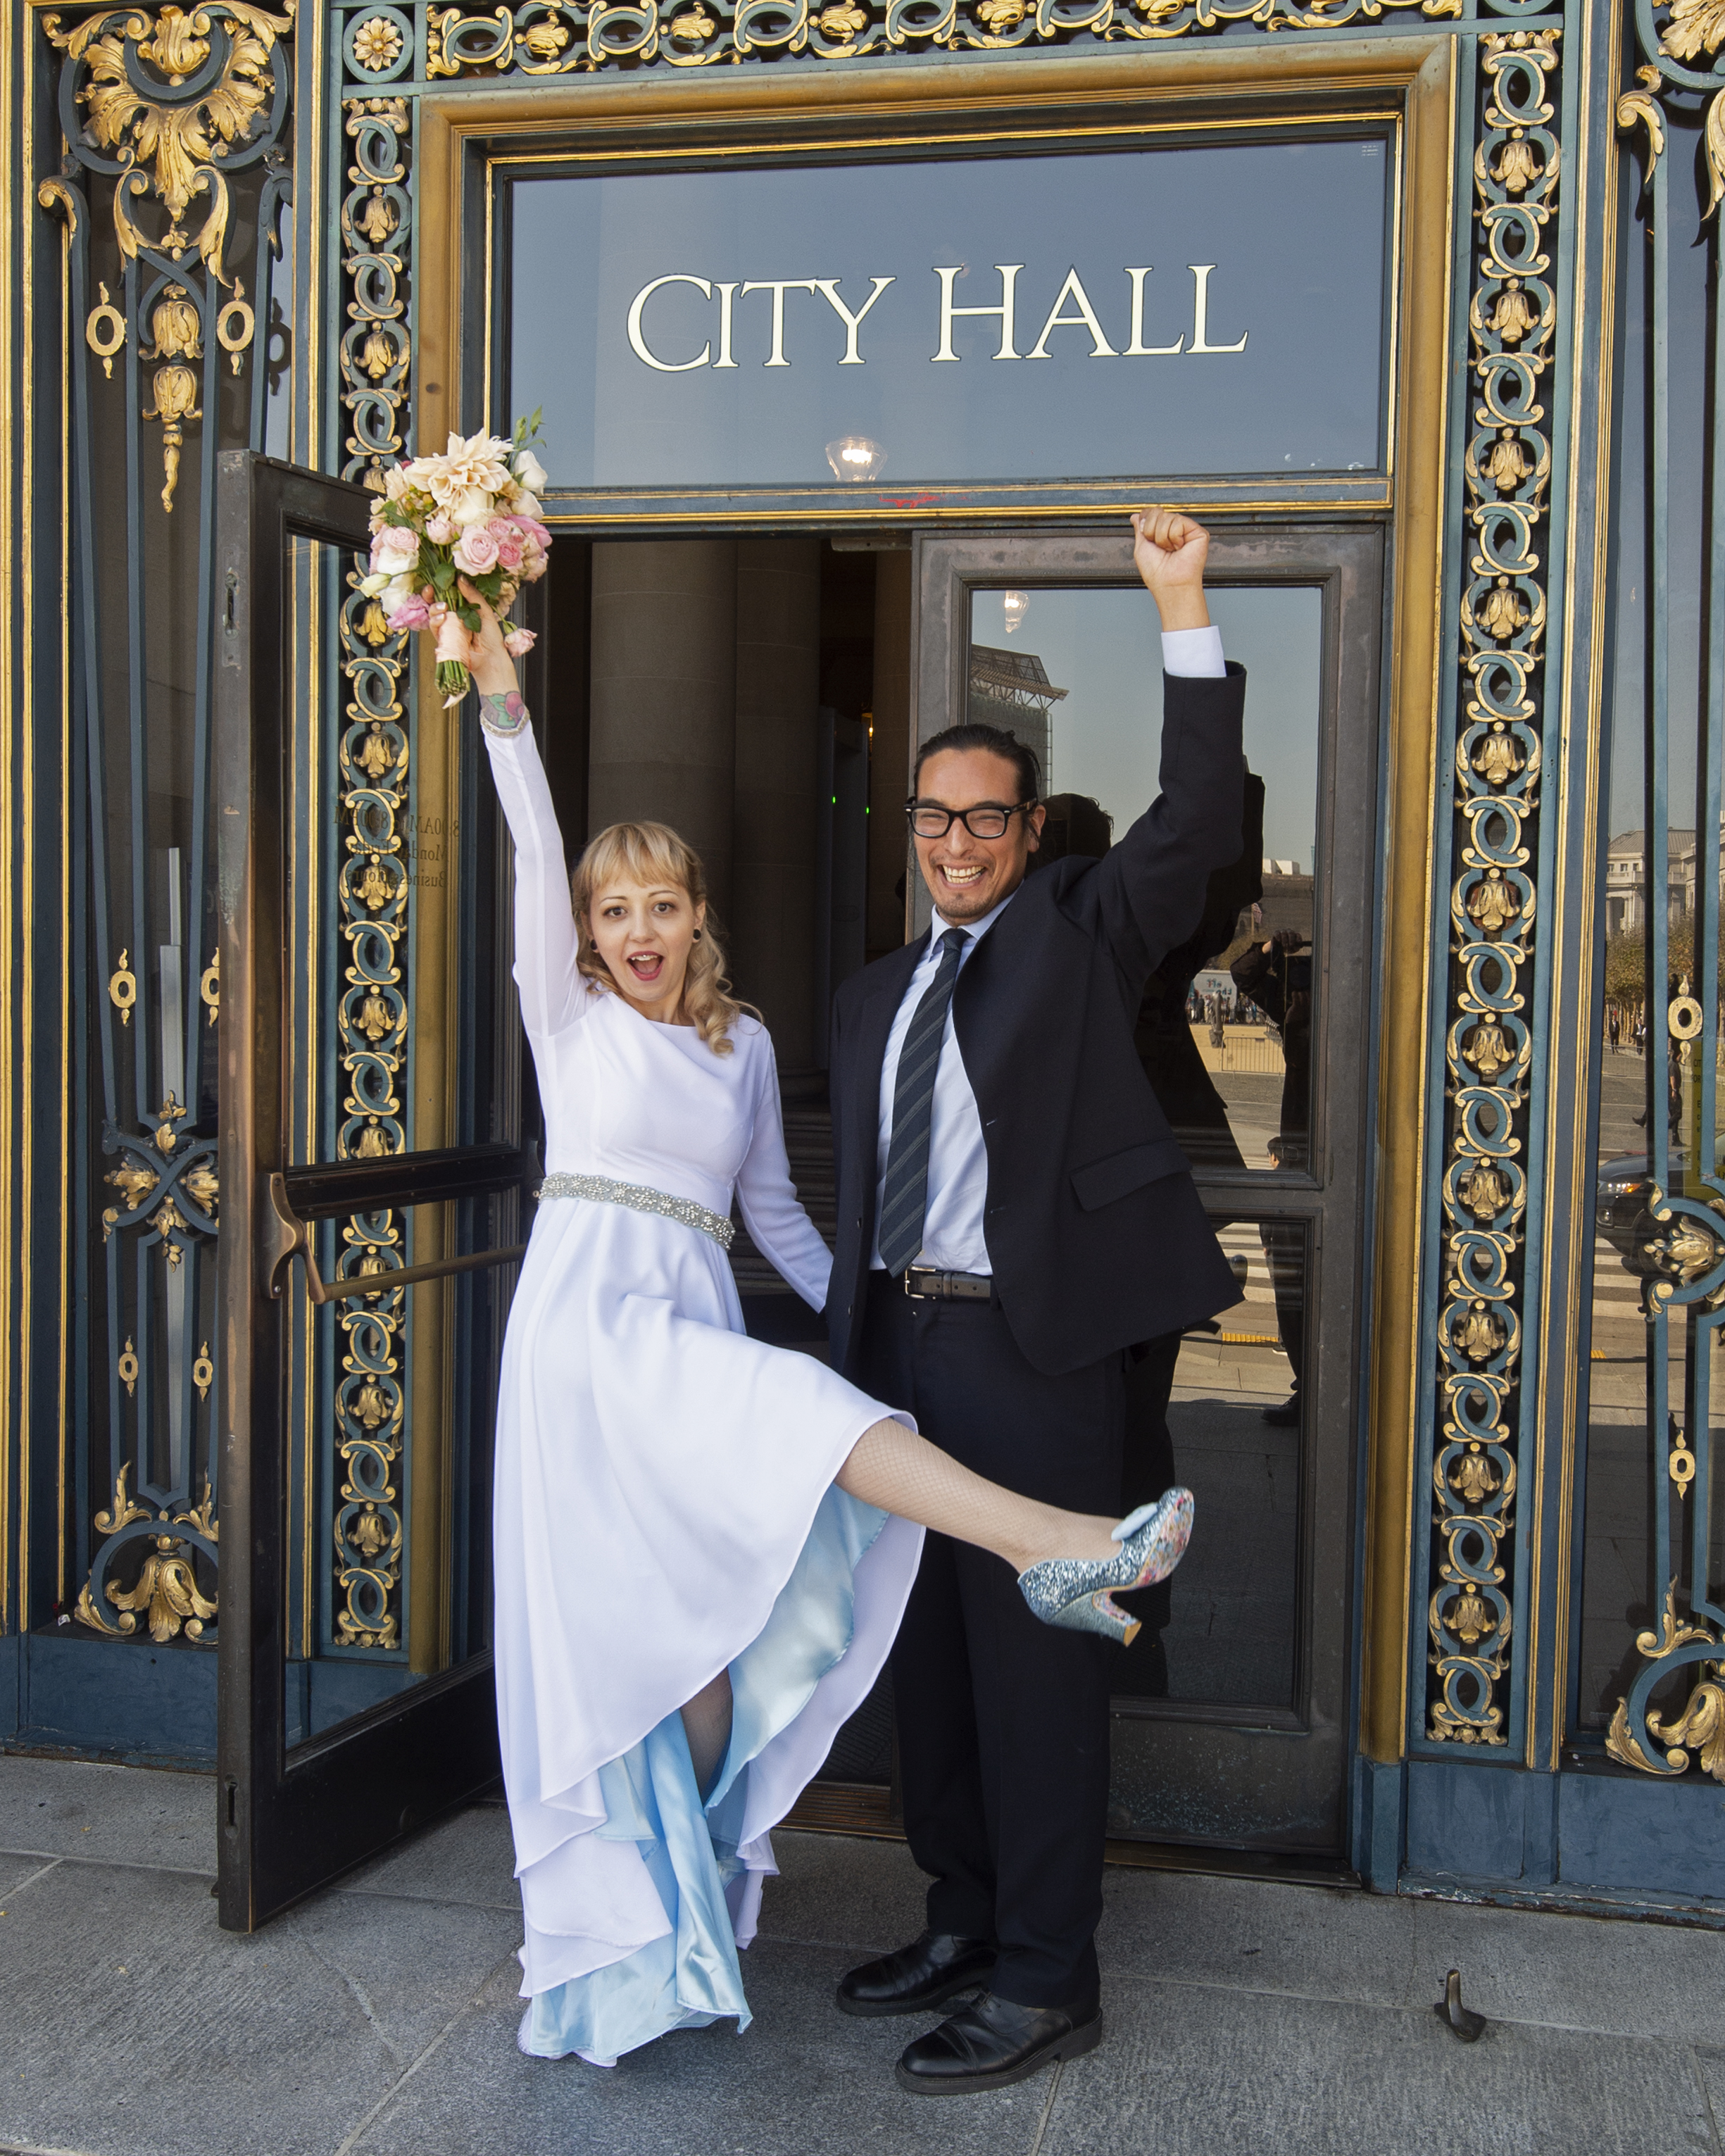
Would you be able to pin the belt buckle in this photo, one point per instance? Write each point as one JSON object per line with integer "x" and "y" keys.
{"x": 923, "y": 1294}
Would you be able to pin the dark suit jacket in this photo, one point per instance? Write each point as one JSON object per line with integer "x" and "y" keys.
{"x": 1096, "y": 1235}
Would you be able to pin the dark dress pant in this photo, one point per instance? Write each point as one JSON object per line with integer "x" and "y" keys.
{"x": 1003, "y": 1722}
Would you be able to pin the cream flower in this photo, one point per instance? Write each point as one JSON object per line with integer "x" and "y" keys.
{"x": 531, "y": 472}
{"x": 478, "y": 461}
{"x": 471, "y": 506}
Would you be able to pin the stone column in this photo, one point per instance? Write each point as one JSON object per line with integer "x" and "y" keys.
{"x": 772, "y": 919}
{"x": 665, "y": 693}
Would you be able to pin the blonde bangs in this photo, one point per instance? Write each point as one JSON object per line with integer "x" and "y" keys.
{"x": 654, "y": 855}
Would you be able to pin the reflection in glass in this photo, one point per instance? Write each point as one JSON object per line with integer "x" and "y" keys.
{"x": 1224, "y": 1027}
{"x": 1208, "y": 1410}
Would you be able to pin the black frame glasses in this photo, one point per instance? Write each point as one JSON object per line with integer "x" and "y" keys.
{"x": 992, "y": 809}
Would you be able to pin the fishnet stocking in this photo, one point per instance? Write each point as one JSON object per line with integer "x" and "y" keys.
{"x": 707, "y": 1724}
{"x": 892, "y": 1467}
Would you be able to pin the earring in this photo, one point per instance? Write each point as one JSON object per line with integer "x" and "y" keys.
{"x": 697, "y": 935}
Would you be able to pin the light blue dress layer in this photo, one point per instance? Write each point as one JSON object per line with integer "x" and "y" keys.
{"x": 691, "y": 1977}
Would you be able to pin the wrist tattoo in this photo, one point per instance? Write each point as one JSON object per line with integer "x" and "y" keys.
{"x": 502, "y": 714}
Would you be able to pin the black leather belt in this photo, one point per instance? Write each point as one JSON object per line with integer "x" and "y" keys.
{"x": 948, "y": 1287}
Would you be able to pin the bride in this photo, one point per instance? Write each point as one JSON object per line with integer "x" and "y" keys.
{"x": 703, "y": 1544}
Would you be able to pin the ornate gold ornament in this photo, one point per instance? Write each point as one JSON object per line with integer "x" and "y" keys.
{"x": 1486, "y": 1190}
{"x": 1498, "y": 759}
{"x": 126, "y": 1369}
{"x": 235, "y": 324}
{"x": 374, "y": 888}
{"x": 1693, "y": 26}
{"x": 1488, "y": 1050}
{"x": 539, "y": 37}
{"x": 104, "y": 330}
{"x": 1475, "y": 1479}
{"x": 377, "y": 44}
{"x": 1493, "y": 904}
{"x": 375, "y": 349}
{"x": 168, "y": 1114}
{"x": 203, "y": 1376}
{"x": 1511, "y": 316}
{"x": 123, "y": 989}
{"x": 201, "y": 1185}
{"x": 166, "y": 1593}
{"x": 133, "y": 1181}
{"x": 1480, "y": 1333}
{"x": 1639, "y": 108}
{"x": 166, "y": 146}
{"x": 209, "y": 988}
{"x": 124, "y": 1509}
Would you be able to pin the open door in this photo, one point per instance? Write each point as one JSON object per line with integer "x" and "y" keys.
{"x": 372, "y": 1179}
{"x": 1231, "y": 1709}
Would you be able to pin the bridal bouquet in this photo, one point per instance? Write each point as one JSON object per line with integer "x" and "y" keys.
{"x": 468, "y": 518}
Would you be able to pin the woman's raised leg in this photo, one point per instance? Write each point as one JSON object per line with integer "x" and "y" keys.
{"x": 894, "y": 1468}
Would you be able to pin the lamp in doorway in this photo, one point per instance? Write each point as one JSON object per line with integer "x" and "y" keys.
{"x": 855, "y": 457}
{"x": 1014, "y": 605}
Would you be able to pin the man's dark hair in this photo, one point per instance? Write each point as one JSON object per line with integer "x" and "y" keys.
{"x": 997, "y": 741}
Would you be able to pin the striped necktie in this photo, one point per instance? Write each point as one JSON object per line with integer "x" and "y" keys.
{"x": 904, "y": 1198}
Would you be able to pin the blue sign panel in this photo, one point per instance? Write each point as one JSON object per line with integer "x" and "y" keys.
{"x": 1166, "y": 311}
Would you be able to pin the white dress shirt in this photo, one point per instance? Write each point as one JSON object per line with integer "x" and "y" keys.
{"x": 952, "y": 1240}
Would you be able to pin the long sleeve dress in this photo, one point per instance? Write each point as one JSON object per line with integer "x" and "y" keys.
{"x": 665, "y": 1505}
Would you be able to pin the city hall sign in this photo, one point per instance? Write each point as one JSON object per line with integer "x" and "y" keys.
{"x": 1216, "y": 309}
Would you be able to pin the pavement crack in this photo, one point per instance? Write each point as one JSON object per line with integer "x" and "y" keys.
{"x": 53, "y": 1864}
{"x": 1048, "y": 2105}
{"x": 1706, "y": 2102}
{"x": 352, "y": 1983}
{"x": 435, "y": 2045}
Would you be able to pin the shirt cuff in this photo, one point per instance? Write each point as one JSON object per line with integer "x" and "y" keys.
{"x": 1194, "y": 651}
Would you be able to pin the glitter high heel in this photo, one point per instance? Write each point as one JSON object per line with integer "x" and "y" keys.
{"x": 1078, "y": 1593}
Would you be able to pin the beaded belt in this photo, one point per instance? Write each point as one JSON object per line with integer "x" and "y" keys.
{"x": 641, "y": 1198}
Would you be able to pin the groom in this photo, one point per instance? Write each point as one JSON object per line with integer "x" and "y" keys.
{"x": 1013, "y": 1215}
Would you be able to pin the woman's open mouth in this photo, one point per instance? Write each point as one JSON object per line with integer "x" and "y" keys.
{"x": 647, "y": 965}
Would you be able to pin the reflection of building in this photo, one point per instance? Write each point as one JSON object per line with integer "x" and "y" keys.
{"x": 1626, "y": 878}
{"x": 1011, "y": 689}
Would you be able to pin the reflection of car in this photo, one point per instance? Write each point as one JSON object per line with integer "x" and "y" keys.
{"x": 1621, "y": 1195}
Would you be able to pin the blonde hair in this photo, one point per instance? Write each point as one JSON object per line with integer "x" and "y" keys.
{"x": 654, "y": 855}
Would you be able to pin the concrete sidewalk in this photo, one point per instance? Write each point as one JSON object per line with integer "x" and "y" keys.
{"x": 380, "y": 2018}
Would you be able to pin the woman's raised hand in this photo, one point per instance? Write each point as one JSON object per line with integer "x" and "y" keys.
{"x": 490, "y": 665}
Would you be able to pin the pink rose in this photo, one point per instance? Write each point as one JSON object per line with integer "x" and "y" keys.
{"x": 477, "y": 551}
{"x": 412, "y": 613}
{"x": 509, "y": 540}
{"x": 519, "y": 643}
{"x": 438, "y": 530}
{"x": 394, "y": 551}
{"x": 453, "y": 641}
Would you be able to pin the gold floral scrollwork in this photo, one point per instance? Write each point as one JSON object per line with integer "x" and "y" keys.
{"x": 124, "y": 1509}
{"x": 123, "y": 989}
{"x": 209, "y": 988}
{"x": 1639, "y": 108}
{"x": 1700, "y": 1728}
{"x": 166, "y": 1594}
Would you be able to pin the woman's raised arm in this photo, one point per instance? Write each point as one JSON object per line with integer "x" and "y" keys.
{"x": 553, "y": 993}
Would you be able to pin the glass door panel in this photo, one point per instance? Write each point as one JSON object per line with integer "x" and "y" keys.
{"x": 372, "y": 1179}
{"x": 1232, "y": 1705}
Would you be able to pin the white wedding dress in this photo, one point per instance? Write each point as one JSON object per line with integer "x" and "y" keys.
{"x": 665, "y": 1506}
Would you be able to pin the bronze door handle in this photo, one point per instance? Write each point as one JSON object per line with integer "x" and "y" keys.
{"x": 287, "y": 1236}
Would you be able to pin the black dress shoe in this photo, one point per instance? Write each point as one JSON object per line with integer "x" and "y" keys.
{"x": 918, "y": 1978}
{"x": 1286, "y": 1415}
{"x": 991, "y": 2044}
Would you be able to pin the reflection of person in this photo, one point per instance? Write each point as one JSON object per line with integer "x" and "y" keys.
{"x": 697, "y": 1578}
{"x": 1013, "y": 1212}
{"x": 1276, "y": 974}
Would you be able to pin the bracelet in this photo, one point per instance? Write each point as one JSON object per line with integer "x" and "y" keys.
{"x": 511, "y": 713}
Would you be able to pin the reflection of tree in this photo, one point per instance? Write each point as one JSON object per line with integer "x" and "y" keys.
{"x": 1627, "y": 960}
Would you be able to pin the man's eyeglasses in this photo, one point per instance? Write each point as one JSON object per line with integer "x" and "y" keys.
{"x": 929, "y": 820}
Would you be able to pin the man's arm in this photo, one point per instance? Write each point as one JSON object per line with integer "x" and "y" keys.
{"x": 1149, "y": 891}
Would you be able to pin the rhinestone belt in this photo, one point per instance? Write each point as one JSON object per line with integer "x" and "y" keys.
{"x": 641, "y": 1198}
